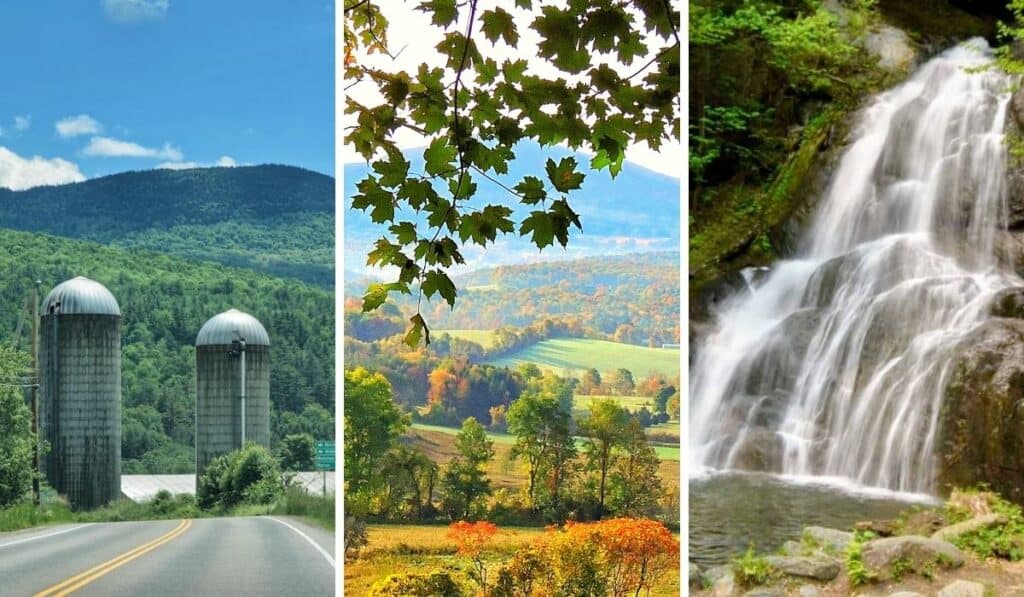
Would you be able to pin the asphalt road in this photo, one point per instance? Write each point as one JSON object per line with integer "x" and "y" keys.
{"x": 215, "y": 556}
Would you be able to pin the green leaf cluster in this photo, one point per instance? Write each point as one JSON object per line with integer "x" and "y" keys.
{"x": 616, "y": 83}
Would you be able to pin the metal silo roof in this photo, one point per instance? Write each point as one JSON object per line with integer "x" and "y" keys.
{"x": 229, "y": 326}
{"x": 81, "y": 296}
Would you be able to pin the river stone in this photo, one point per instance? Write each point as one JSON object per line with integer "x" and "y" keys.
{"x": 724, "y": 587}
{"x": 881, "y": 554}
{"x": 963, "y": 588}
{"x": 792, "y": 548}
{"x": 969, "y": 525}
{"x": 695, "y": 576}
{"x": 809, "y": 591}
{"x": 712, "y": 574}
{"x": 816, "y": 567}
{"x": 831, "y": 540}
{"x": 765, "y": 592}
{"x": 881, "y": 528}
{"x": 906, "y": 594}
{"x": 981, "y": 424}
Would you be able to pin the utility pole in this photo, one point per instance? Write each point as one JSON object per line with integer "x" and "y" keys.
{"x": 239, "y": 348}
{"x": 35, "y": 392}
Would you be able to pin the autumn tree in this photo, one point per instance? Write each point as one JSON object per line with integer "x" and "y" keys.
{"x": 464, "y": 484}
{"x": 540, "y": 422}
{"x": 471, "y": 540}
{"x": 590, "y": 382}
{"x": 606, "y": 77}
{"x": 620, "y": 382}
{"x": 635, "y": 485}
{"x": 604, "y": 429}
{"x": 372, "y": 426}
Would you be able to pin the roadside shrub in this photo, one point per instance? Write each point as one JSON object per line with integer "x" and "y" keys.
{"x": 434, "y": 584}
{"x": 297, "y": 452}
{"x": 247, "y": 476}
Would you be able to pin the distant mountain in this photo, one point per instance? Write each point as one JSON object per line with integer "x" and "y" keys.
{"x": 638, "y": 211}
{"x": 276, "y": 219}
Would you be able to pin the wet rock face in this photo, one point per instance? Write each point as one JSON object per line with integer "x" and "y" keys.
{"x": 981, "y": 436}
{"x": 1008, "y": 303}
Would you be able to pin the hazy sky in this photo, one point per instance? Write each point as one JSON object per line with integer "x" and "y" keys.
{"x": 412, "y": 37}
{"x": 93, "y": 87}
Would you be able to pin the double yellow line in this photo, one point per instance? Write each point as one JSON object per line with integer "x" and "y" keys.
{"x": 80, "y": 580}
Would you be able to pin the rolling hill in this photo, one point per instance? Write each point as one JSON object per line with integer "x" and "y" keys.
{"x": 638, "y": 292}
{"x": 567, "y": 356}
{"x": 275, "y": 219}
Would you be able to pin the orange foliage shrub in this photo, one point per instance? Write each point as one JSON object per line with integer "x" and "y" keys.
{"x": 471, "y": 538}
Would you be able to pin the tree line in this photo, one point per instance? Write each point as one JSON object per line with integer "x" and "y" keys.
{"x": 610, "y": 470}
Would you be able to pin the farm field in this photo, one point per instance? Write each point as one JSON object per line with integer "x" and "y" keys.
{"x": 394, "y": 549}
{"x": 438, "y": 443}
{"x": 581, "y": 404}
{"x": 572, "y": 356}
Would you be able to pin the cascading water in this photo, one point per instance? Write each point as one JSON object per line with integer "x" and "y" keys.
{"x": 835, "y": 363}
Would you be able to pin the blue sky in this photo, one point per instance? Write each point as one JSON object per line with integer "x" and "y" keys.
{"x": 137, "y": 84}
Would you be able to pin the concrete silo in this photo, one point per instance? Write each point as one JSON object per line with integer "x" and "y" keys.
{"x": 80, "y": 383}
{"x": 231, "y": 346}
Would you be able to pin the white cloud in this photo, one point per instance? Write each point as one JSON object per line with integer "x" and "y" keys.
{"x": 83, "y": 124}
{"x": 18, "y": 173}
{"x": 21, "y": 123}
{"x": 107, "y": 147}
{"x": 225, "y": 161}
{"x": 134, "y": 11}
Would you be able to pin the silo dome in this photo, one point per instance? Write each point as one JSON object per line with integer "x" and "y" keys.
{"x": 81, "y": 296}
{"x": 229, "y": 326}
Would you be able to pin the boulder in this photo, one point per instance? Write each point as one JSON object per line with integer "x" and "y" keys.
{"x": 923, "y": 522}
{"x": 809, "y": 591}
{"x": 981, "y": 424}
{"x": 830, "y": 540}
{"x": 893, "y": 48}
{"x": 973, "y": 524}
{"x": 963, "y": 588}
{"x": 816, "y": 567}
{"x": 765, "y": 592}
{"x": 881, "y": 555}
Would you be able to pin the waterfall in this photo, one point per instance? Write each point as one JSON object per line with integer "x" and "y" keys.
{"x": 835, "y": 363}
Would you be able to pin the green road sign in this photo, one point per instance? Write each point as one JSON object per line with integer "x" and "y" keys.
{"x": 325, "y": 456}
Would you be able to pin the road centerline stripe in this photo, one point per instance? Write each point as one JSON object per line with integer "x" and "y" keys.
{"x": 322, "y": 551}
{"x": 37, "y": 537}
{"x": 81, "y": 579}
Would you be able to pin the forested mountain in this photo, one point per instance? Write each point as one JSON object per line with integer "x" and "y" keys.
{"x": 277, "y": 219}
{"x": 628, "y": 298}
{"x": 164, "y": 301}
{"x": 638, "y": 211}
